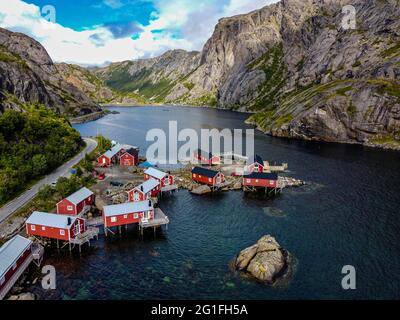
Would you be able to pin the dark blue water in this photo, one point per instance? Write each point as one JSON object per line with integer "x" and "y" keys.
{"x": 347, "y": 215}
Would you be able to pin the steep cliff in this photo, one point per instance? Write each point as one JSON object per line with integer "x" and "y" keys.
{"x": 28, "y": 75}
{"x": 303, "y": 74}
{"x": 153, "y": 78}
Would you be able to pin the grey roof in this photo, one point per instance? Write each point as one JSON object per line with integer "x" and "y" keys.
{"x": 11, "y": 251}
{"x": 117, "y": 148}
{"x": 128, "y": 207}
{"x": 148, "y": 185}
{"x": 80, "y": 195}
{"x": 113, "y": 151}
{"x": 50, "y": 220}
{"x": 155, "y": 173}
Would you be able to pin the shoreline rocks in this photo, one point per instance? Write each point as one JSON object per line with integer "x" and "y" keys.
{"x": 265, "y": 261}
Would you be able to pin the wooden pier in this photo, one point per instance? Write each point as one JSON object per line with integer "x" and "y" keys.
{"x": 90, "y": 234}
{"x": 160, "y": 219}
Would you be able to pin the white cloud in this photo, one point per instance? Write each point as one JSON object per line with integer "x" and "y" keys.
{"x": 194, "y": 22}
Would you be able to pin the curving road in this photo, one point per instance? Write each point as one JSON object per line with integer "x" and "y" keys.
{"x": 62, "y": 171}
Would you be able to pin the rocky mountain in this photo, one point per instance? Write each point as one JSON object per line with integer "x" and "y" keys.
{"x": 152, "y": 78}
{"x": 28, "y": 75}
{"x": 87, "y": 81}
{"x": 295, "y": 66}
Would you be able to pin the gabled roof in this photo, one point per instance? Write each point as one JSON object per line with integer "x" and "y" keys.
{"x": 255, "y": 159}
{"x": 11, "y": 251}
{"x": 155, "y": 173}
{"x": 262, "y": 176}
{"x": 51, "y": 220}
{"x": 113, "y": 151}
{"x": 79, "y": 196}
{"x": 204, "y": 172}
{"x": 126, "y": 208}
{"x": 147, "y": 186}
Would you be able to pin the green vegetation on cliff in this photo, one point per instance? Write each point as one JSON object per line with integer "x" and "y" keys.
{"x": 32, "y": 143}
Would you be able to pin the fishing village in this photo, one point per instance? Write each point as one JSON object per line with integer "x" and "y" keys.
{"x": 127, "y": 197}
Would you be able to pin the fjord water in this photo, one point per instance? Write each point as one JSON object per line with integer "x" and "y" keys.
{"x": 346, "y": 215}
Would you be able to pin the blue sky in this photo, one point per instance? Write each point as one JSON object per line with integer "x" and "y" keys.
{"x": 97, "y": 32}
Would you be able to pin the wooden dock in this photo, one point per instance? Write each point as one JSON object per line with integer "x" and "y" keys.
{"x": 169, "y": 188}
{"x": 90, "y": 234}
{"x": 160, "y": 219}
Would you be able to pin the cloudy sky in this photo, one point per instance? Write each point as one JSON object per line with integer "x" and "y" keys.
{"x": 95, "y": 32}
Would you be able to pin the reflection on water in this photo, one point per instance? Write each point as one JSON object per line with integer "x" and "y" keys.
{"x": 346, "y": 214}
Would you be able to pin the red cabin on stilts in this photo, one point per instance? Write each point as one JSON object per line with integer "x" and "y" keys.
{"x": 127, "y": 213}
{"x": 261, "y": 179}
{"x": 55, "y": 226}
{"x": 165, "y": 179}
{"x": 207, "y": 176}
{"x": 15, "y": 257}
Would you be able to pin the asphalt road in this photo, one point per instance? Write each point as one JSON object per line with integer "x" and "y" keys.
{"x": 62, "y": 171}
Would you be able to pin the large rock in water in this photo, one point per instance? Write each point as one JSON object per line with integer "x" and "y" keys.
{"x": 266, "y": 260}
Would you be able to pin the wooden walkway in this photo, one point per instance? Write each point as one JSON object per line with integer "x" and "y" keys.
{"x": 169, "y": 188}
{"x": 159, "y": 220}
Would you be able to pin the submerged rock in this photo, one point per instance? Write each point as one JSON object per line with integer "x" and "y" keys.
{"x": 266, "y": 260}
{"x": 201, "y": 190}
{"x": 23, "y": 296}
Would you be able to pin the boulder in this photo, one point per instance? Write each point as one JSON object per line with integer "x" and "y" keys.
{"x": 265, "y": 260}
{"x": 201, "y": 190}
{"x": 28, "y": 296}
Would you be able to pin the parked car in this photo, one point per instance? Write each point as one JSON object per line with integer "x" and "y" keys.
{"x": 116, "y": 184}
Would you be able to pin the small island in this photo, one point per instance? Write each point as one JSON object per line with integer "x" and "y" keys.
{"x": 265, "y": 261}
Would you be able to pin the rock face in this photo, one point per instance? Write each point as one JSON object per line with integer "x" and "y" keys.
{"x": 153, "y": 78}
{"x": 295, "y": 66}
{"x": 28, "y": 75}
{"x": 94, "y": 87}
{"x": 265, "y": 261}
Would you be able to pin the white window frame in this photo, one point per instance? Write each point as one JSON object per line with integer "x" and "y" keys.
{"x": 136, "y": 216}
{"x": 43, "y": 228}
{"x": 125, "y": 216}
{"x": 209, "y": 179}
{"x": 248, "y": 180}
{"x": 62, "y": 232}
{"x": 194, "y": 175}
{"x": 113, "y": 219}
{"x": 70, "y": 208}
{"x": 33, "y": 227}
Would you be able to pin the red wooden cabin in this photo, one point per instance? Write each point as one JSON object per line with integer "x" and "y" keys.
{"x": 165, "y": 179}
{"x": 127, "y": 213}
{"x": 148, "y": 189}
{"x": 15, "y": 257}
{"x": 255, "y": 164}
{"x": 77, "y": 203}
{"x": 125, "y": 155}
{"x": 208, "y": 158}
{"x": 111, "y": 156}
{"x": 127, "y": 160}
{"x": 207, "y": 176}
{"x": 261, "y": 179}
{"x": 55, "y": 226}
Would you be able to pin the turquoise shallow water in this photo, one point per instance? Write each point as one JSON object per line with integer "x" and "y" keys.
{"x": 347, "y": 214}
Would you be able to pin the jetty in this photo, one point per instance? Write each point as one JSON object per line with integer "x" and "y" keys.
{"x": 160, "y": 219}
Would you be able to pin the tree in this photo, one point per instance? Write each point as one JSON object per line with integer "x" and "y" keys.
{"x": 39, "y": 164}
